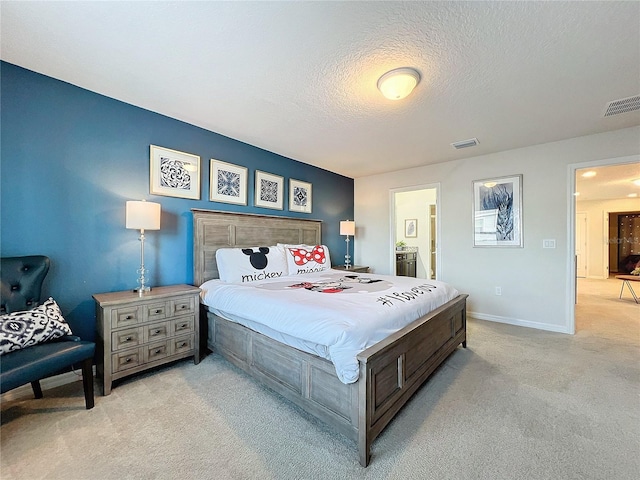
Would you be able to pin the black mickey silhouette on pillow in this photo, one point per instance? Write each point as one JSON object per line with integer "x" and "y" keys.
{"x": 251, "y": 264}
{"x": 258, "y": 259}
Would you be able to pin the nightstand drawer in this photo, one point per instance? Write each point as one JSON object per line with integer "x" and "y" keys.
{"x": 156, "y": 331}
{"x": 126, "y": 360}
{"x": 183, "y": 306}
{"x": 126, "y": 316}
{"x": 183, "y": 325}
{"x": 130, "y": 337}
{"x": 156, "y": 311}
{"x": 181, "y": 344}
{"x": 156, "y": 351}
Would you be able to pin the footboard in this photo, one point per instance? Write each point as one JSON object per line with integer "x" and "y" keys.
{"x": 392, "y": 370}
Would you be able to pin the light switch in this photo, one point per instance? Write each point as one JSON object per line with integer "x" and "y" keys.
{"x": 550, "y": 243}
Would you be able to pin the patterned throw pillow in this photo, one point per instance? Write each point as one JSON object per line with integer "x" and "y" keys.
{"x": 23, "y": 329}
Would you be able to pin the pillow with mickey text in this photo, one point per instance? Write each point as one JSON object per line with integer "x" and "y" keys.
{"x": 246, "y": 265}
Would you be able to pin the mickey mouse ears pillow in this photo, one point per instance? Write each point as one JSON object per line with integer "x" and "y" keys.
{"x": 245, "y": 265}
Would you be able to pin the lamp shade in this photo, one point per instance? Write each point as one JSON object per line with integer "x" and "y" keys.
{"x": 347, "y": 227}
{"x": 398, "y": 83}
{"x": 141, "y": 215}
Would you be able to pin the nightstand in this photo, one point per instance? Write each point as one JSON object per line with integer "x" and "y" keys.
{"x": 353, "y": 268}
{"x": 135, "y": 333}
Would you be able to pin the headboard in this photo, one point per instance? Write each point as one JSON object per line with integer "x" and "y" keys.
{"x": 213, "y": 230}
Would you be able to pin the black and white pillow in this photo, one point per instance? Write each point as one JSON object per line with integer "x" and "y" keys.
{"x": 23, "y": 329}
{"x": 246, "y": 265}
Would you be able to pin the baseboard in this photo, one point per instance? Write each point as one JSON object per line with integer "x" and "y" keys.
{"x": 520, "y": 323}
{"x": 25, "y": 391}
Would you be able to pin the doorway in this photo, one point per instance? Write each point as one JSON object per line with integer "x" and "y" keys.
{"x": 415, "y": 231}
{"x": 589, "y": 256}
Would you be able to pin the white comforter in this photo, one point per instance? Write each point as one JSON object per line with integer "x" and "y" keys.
{"x": 343, "y": 313}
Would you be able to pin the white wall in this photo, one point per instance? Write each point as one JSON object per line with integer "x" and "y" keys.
{"x": 534, "y": 280}
{"x": 597, "y": 237}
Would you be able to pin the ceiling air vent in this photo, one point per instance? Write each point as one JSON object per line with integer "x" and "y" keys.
{"x": 472, "y": 142}
{"x": 623, "y": 105}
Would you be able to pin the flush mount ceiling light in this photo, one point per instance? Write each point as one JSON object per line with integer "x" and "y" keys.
{"x": 636, "y": 182}
{"x": 589, "y": 174}
{"x": 398, "y": 83}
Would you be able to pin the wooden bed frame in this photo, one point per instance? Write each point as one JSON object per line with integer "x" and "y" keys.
{"x": 390, "y": 371}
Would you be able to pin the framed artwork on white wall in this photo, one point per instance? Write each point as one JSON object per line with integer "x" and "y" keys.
{"x": 497, "y": 212}
{"x": 411, "y": 228}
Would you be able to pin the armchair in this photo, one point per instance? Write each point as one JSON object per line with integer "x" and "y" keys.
{"x": 20, "y": 288}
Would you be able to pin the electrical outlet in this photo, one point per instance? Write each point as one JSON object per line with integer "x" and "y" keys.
{"x": 498, "y": 290}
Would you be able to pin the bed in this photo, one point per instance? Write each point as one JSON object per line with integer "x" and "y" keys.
{"x": 390, "y": 371}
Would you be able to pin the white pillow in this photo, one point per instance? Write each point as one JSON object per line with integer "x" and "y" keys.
{"x": 307, "y": 258}
{"x": 244, "y": 265}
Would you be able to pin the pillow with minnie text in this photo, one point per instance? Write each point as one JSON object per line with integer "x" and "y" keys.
{"x": 20, "y": 330}
{"x": 307, "y": 258}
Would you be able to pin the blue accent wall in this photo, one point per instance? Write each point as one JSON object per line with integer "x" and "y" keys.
{"x": 71, "y": 158}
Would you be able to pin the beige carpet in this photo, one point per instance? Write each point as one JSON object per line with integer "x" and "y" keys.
{"x": 517, "y": 404}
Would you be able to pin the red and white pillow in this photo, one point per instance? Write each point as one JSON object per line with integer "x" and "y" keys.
{"x": 307, "y": 258}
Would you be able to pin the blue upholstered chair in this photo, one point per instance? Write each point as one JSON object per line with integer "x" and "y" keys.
{"x": 20, "y": 287}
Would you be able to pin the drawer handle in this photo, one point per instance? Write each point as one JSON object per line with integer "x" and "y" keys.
{"x": 158, "y": 311}
{"x": 158, "y": 350}
{"x": 128, "y": 339}
{"x": 128, "y": 317}
{"x": 156, "y": 332}
{"x": 184, "y": 325}
{"x": 183, "y": 344}
{"x": 182, "y": 307}
{"x": 127, "y": 360}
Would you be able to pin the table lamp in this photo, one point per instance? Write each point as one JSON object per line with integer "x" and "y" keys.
{"x": 141, "y": 215}
{"x": 347, "y": 227}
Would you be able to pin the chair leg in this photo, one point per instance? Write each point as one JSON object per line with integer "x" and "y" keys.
{"x": 37, "y": 391}
{"x": 87, "y": 382}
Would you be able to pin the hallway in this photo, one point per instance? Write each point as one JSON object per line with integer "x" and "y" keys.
{"x": 600, "y": 312}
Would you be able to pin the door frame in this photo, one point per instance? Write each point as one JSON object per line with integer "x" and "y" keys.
{"x": 571, "y": 280}
{"x": 392, "y": 222}
{"x": 585, "y": 252}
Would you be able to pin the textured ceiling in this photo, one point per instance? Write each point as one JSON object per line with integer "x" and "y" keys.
{"x": 299, "y": 78}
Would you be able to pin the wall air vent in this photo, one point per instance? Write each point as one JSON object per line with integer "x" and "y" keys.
{"x": 623, "y": 105}
{"x": 472, "y": 142}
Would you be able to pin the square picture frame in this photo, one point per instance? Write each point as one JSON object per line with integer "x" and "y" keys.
{"x": 411, "y": 228}
{"x": 227, "y": 182}
{"x": 173, "y": 173}
{"x": 269, "y": 190}
{"x": 497, "y": 212}
{"x": 300, "y": 196}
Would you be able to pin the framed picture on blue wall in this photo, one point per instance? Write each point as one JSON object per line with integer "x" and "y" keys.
{"x": 228, "y": 183}
{"x": 299, "y": 196}
{"x": 269, "y": 190}
{"x": 174, "y": 173}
